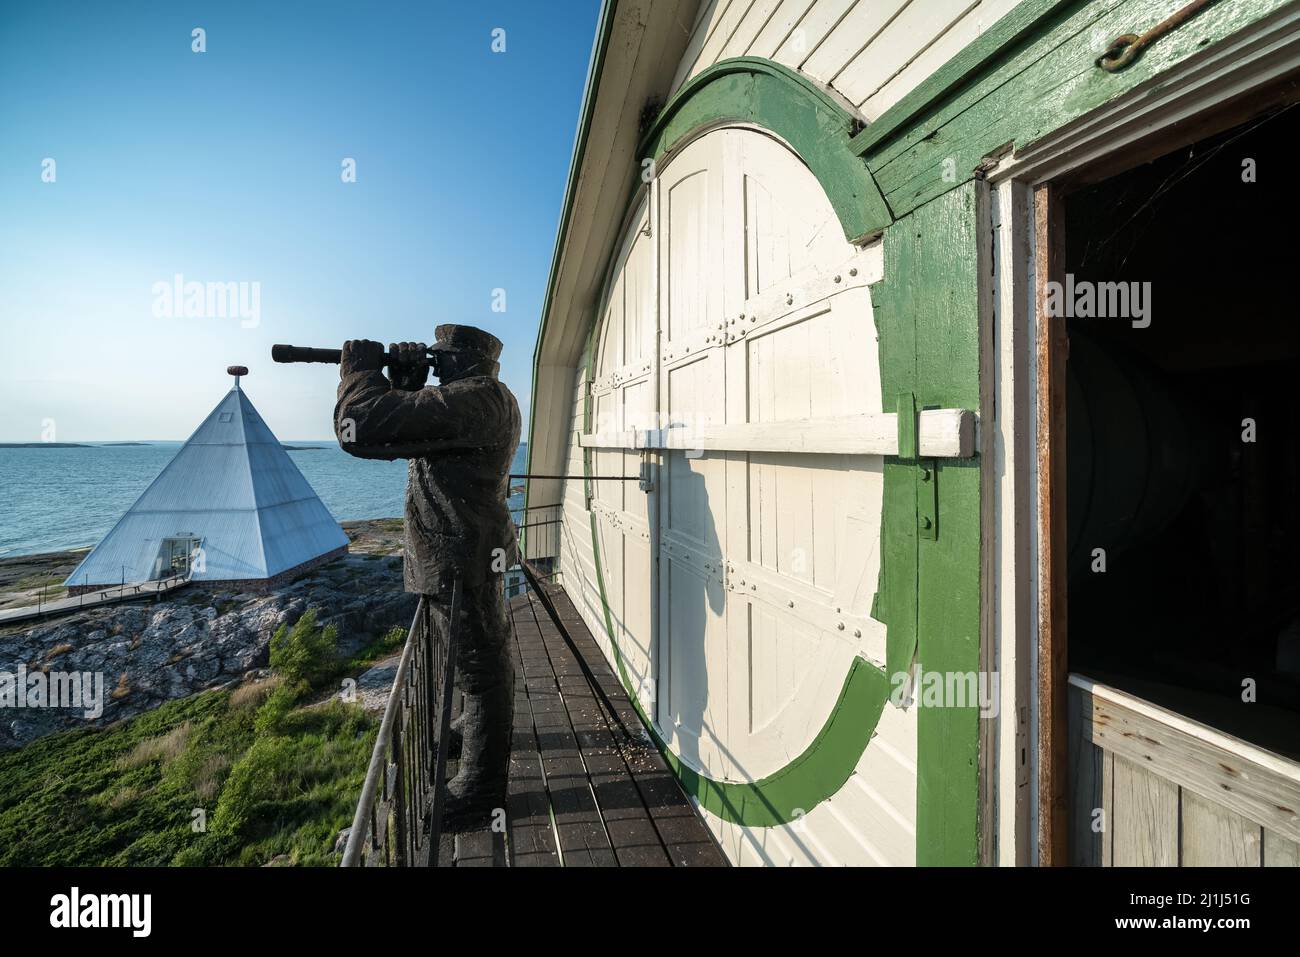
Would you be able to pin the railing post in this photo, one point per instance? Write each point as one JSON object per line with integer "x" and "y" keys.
{"x": 399, "y": 815}
{"x": 446, "y": 678}
{"x": 397, "y": 788}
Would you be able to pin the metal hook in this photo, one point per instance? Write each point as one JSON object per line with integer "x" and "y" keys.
{"x": 1122, "y": 51}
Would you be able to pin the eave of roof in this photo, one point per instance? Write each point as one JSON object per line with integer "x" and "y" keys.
{"x": 638, "y": 46}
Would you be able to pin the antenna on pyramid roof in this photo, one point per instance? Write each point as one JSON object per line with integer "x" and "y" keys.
{"x": 237, "y": 371}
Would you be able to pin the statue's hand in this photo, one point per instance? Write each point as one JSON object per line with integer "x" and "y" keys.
{"x": 361, "y": 355}
{"x": 412, "y": 368}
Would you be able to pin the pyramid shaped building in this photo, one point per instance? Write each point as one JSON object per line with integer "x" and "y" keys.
{"x": 230, "y": 507}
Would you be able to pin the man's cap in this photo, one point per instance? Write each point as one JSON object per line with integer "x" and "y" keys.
{"x": 467, "y": 339}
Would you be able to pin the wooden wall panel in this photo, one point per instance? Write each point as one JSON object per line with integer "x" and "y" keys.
{"x": 1199, "y": 805}
{"x": 1279, "y": 852}
{"x": 1144, "y": 818}
{"x": 872, "y": 52}
{"x": 1213, "y": 836}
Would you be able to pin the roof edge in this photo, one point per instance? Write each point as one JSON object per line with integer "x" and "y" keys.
{"x": 595, "y": 65}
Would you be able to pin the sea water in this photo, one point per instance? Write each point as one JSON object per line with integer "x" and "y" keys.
{"x": 57, "y": 498}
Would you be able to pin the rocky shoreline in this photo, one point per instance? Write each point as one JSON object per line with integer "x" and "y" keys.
{"x": 150, "y": 652}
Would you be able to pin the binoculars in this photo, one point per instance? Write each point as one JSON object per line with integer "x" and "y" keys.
{"x": 286, "y": 353}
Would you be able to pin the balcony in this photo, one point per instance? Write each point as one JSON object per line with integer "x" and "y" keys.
{"x": 587, "y": 785}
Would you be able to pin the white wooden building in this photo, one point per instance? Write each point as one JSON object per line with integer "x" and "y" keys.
{"x": 795, "y": 293}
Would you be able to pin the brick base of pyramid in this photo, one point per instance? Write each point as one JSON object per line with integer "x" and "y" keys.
{"x": 256, "y": 585}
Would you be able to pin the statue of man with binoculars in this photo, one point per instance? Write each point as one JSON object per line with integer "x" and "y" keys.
{"x": 460, "y": 437}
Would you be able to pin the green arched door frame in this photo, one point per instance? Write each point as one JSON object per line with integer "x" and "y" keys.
{"x": 808, "y": 117}
{"x": 761, "y": 93}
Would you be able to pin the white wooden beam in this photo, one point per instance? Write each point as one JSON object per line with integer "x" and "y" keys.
{"x": 941, "y": 433}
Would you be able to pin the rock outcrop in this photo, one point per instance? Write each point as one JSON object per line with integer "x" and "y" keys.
{"x": 196, "y": 639}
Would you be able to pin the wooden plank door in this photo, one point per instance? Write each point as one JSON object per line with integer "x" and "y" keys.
{"x": 802, "y": 530}
{"x": 693, "y": 261}
{"x": 623, "y": 399}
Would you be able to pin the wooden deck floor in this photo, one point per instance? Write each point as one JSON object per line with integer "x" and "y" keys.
{"x": 587, "y": 786}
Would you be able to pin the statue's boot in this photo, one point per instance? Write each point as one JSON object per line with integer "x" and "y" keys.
{"x": 486, "y": 677}
{"x": 457, "y": 736}
{"x": 477, "y": 793}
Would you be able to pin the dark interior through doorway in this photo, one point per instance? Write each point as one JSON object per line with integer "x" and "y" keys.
{"x": 1183, "y": 436}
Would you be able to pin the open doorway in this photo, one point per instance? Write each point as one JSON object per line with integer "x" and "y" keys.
{"x": 1180, "y": 578}
{"x": 1183, "y": 434}
{"x": 176, "y": 555}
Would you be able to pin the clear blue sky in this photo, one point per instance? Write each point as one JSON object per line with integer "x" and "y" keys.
{"x": 225, "y": 166}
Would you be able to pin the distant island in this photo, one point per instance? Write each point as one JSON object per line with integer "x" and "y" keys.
{"x": 66, "y": 445}
{"x": 301, "y": 448}
{"x": 43, "y": 445}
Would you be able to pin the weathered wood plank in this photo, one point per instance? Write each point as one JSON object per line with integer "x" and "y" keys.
{"x": 1260, "y": 786}
{"x": 1213, "y": 836}
{"x": 1279, "y": 852}
{"x": 1108, "y": 809}
{"x": 681, "y": 832}
{"x": 532, "y": 839}
{"x": 1144, "y": 820}
{"x": 1051, "y": 348}
{"x": 626, "y": 823}
{"x": 1087, "y": 807}
{"x": 578, "y": 820}
{"x": 480, "y": 849}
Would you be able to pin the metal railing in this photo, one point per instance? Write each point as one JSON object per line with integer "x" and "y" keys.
{"x": 398, "y": 821}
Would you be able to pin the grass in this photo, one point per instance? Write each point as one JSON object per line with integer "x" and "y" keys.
{"x": 388, "y": 644}
{"x": 268, "y": 778}
{"x": 51, "y": 581}
{"x": 164, "y": 749}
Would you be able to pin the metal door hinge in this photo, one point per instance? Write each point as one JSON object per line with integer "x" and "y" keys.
{"x": 646, "y": 475}
{"x": 927, "y": 500}
{"x": 927, "y": 476}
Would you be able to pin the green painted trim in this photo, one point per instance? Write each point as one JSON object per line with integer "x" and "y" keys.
{"x": 1041, "y": 85}
{"x": 767, "y": 94}
{"x": 1017, "y": 24}
{"x": 906, "y": 425}
{"x": 927, "y": 312}
{"x": 599, "y": 50}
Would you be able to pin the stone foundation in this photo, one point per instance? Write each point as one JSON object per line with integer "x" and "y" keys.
{"x": 259, "y": 586}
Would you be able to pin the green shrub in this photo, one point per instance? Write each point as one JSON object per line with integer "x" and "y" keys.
{"x": 254, "y": 782}
{"x": 386, "y": 644}
{"x": 305, "y": 653}
{"x": 276, "y": 707}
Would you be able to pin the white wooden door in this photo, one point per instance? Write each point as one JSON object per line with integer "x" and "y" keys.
{"x": 623, "y": 398}
{"x": 691, "y": 491}
{"x": 768, "y": 561}
{"x": 737, "y": 351}
{"x": 803, "y": 529}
